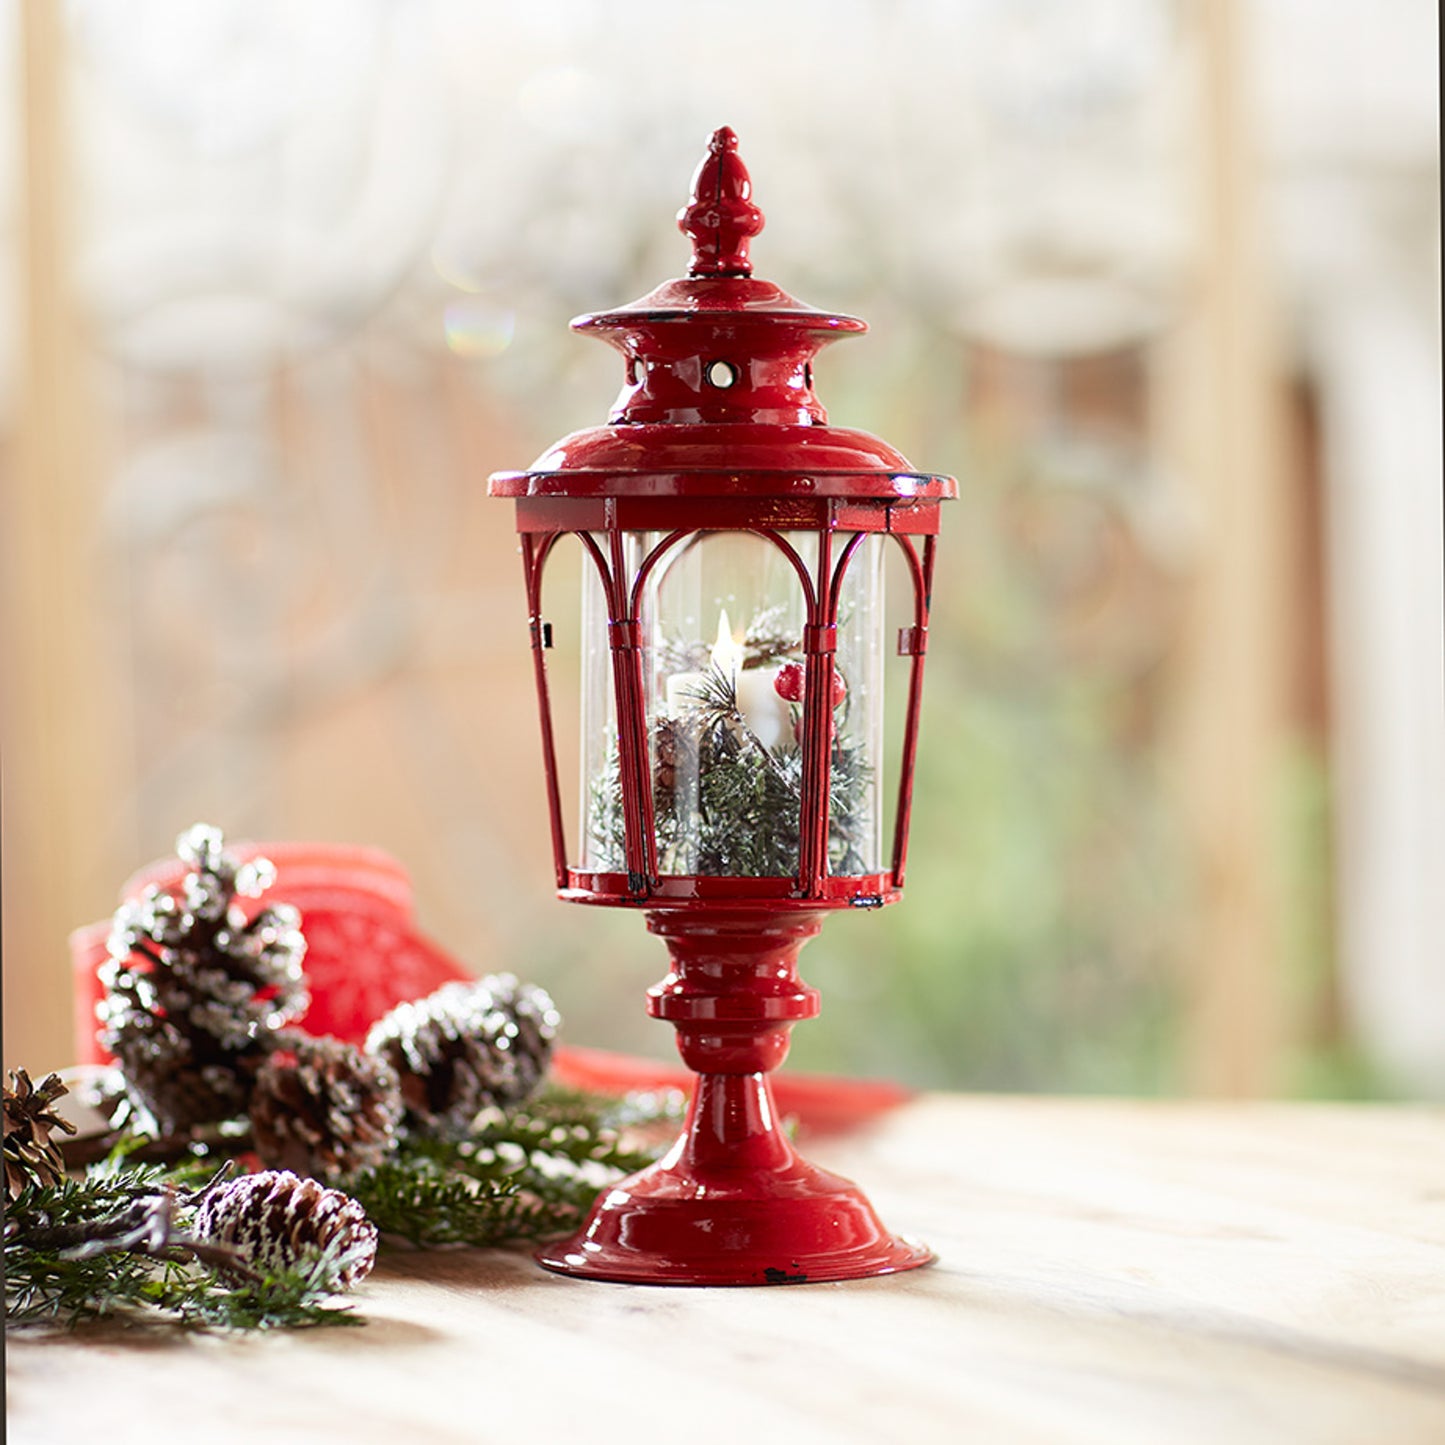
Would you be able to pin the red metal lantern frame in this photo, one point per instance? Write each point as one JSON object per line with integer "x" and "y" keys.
{"x": 717, "y": 429}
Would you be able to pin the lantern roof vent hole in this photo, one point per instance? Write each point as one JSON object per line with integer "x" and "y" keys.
{"x": 719, "y": 345}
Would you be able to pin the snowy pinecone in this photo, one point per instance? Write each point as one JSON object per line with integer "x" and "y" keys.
{"x": 278, "y": 1221}
{"x": 323, "y": 1107}
{"x": 195, "y": 993}
{"x": 467, "y": 1046}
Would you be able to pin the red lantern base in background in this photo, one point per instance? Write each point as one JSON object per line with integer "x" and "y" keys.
{"x": 732, "y": 1203}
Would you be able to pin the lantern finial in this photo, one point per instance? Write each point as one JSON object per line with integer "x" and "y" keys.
{"x": 721, "y": 218}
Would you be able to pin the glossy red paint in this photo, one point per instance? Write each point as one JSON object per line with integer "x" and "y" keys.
{"x": 718, "y": 428}
{"x": 721, "y": 218}
{"x": 733, "y": 1203}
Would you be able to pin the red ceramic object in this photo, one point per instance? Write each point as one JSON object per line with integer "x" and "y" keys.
{"x": 718, "y": 429}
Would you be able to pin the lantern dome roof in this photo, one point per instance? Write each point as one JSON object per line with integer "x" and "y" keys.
{"x": 718, "y": 397}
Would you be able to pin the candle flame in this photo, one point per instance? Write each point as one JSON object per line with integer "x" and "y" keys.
{"x": 727, "y": 652}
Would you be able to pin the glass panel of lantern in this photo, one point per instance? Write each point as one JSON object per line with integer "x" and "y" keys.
{"x": 722, "y": 621}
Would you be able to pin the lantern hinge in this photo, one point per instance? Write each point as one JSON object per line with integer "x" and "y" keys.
{"x": 820, "y": 637}
{"x": 626, "y": 634}
{"x": 912, "y": 641}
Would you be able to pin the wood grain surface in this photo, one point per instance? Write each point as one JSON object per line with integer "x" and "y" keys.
{"x": 1109, "y": 1271}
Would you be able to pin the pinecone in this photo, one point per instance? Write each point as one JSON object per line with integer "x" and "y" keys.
{"x": 467, "y": 1046}
{"x": 31, "y": 1155}
{"x": 674, "y": 745}
{"x": 194, "y": 993}
{"x": 324, "y": 1108}
{"x": 279, "y": 1222}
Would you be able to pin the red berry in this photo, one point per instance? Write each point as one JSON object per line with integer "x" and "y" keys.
{"x": 788, "y": 684}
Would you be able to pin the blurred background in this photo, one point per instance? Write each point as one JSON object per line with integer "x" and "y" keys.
{"x": 1157, "y": 279}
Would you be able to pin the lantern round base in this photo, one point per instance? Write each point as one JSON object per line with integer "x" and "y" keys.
{"x": 671, "y": 1225}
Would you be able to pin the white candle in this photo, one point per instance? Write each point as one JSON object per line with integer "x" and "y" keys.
{"x": 766, "y": 714}
{"x": 683, "y": 689}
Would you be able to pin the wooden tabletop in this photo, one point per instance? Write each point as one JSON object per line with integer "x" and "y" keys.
{"x": 1108, "y": 1271}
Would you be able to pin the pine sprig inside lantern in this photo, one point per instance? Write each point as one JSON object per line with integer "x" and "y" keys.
{"x": 768, "y": 639}
{"x": 724, "y": 801}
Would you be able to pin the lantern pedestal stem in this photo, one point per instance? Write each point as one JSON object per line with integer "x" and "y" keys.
{"x": 732, "y": 1202}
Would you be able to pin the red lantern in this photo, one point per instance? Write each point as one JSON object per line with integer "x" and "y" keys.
{"x": 732, "y": 727}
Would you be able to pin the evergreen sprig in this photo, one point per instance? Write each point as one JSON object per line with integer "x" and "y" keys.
{"x": 115, "y": 1245}
{"x": 724, "y": 803}
{"x": 520, "y": 1174}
